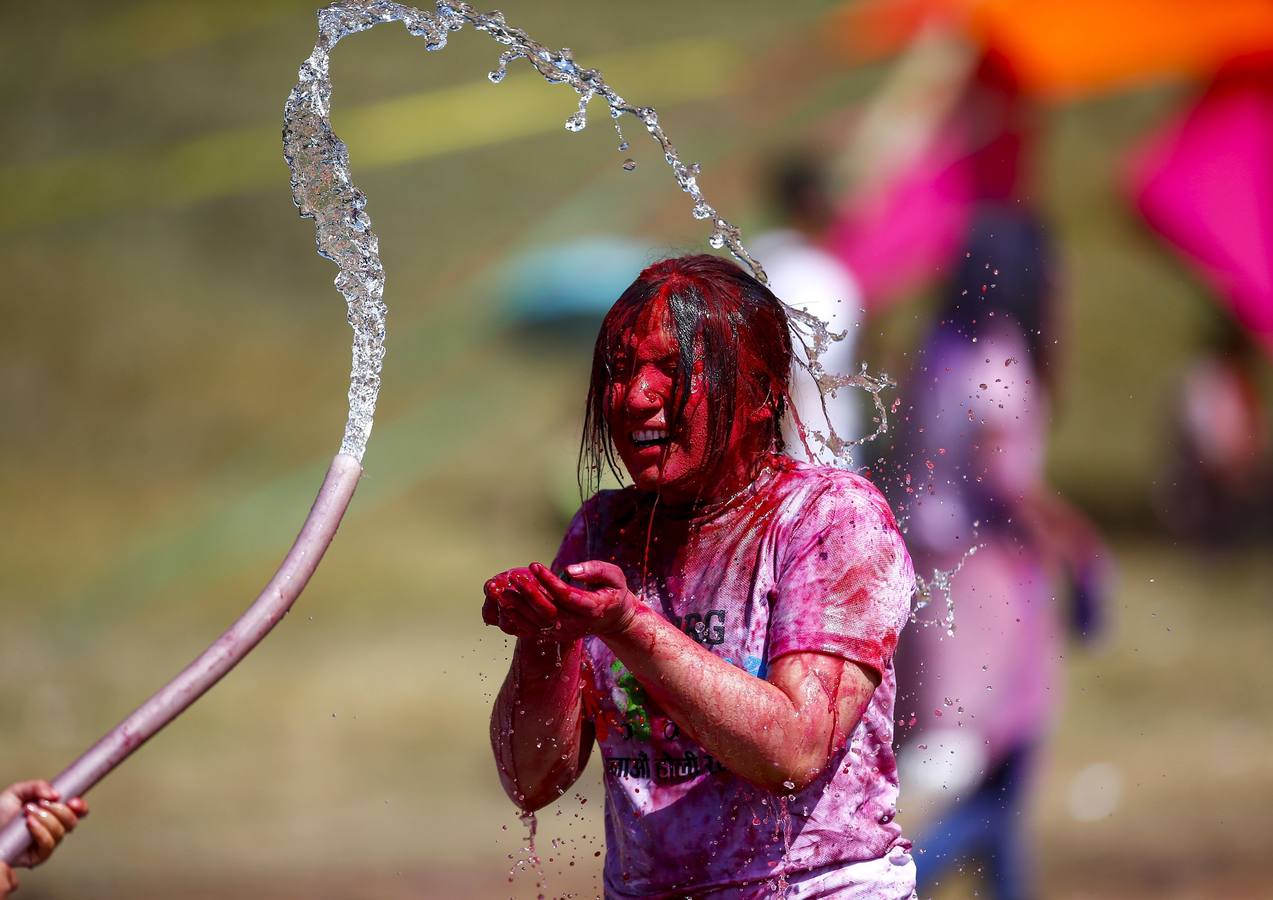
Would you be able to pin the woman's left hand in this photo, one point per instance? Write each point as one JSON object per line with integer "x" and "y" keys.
{"x": 601, "y": 604}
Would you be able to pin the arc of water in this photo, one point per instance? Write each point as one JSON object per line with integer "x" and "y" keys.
{"x": 323, "y": 187}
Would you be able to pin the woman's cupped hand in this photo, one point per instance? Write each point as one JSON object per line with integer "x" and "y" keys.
{"x": 534, "y": 602}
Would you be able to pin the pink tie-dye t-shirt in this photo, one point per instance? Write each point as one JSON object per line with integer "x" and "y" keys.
{"x": 806, "y": 559}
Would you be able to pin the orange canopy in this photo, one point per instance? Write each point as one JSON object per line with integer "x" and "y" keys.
{"x": 1062, "y": 49}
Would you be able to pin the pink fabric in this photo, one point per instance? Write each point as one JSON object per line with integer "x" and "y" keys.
{"x": 806, "y": 559}
{"x": 903, "y": 233}
{"x": 1206, "y": 185}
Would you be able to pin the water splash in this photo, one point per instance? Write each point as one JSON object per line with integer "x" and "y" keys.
{"x": 531, "y": 824}
{"x": 830, "y": 382}
{"x": 781, "y": 887}
{"x": 939, "y": 584}
{"x": 323, "y": 188}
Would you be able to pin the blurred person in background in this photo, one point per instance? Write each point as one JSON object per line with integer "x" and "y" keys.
{"x": 1218, "y": 487}
{"x": 727, "y": 632}
{"x": 808, "y": 277}
{"x": 971, "y": 458}
{"x": 48, "y": 820}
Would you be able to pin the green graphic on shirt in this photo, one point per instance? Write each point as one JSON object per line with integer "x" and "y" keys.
{"x": 635, "y": 703}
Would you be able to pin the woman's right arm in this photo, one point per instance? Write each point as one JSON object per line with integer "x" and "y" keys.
{"x": 539, "y": 732}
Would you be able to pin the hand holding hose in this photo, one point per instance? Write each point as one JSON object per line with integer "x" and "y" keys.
{"x": 48, "y": 821}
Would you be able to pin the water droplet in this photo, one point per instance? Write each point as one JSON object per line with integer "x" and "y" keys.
{"x": 629, "y": 165}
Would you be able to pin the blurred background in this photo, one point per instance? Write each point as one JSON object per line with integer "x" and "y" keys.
{"x": 174, "y": 361}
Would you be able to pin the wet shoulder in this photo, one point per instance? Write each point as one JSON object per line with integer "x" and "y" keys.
{"x": 818, "y": 496}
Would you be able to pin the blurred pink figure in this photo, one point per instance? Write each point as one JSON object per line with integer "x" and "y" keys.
{"x": 1218, "y": 486}
{"x": 972, "y": 475}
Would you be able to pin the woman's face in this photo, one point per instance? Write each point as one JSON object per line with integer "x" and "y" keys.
{"x": 670, "y": 457}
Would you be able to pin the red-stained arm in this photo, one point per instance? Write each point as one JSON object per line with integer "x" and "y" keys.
{"x": 778, "y": 733}
{"x": 539, "y": 734}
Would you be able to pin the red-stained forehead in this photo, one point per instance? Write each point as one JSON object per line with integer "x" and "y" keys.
{"x": 653, "y": 334}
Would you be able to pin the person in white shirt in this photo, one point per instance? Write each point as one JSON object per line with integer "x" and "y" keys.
{"x": 809, "y": 278}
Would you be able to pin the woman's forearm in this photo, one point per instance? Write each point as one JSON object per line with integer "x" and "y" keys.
{"x": 753, "y": 727}
{"x": 537, "y": 723}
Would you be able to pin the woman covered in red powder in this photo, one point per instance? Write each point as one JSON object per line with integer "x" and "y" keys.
{"x": 724, "y": 628}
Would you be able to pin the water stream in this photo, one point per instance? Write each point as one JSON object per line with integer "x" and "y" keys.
{"x": 323, "y": 189}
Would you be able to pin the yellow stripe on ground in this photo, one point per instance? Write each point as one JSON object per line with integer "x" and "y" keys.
{"x": 419, "y": 126}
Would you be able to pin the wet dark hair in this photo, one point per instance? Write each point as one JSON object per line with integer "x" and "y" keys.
{"x": 742, "y": 329}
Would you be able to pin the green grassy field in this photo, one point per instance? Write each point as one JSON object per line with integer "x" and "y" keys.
{"x": 174, "y": 370}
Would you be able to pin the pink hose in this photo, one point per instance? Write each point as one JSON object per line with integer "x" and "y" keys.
{"x": 225, "y": 653}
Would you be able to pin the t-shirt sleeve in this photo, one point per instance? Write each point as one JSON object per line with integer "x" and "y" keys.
{"x": 845, "y": 580}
